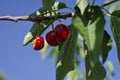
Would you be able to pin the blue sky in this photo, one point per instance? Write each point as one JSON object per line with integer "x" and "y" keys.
{"x": 23, "y": 63}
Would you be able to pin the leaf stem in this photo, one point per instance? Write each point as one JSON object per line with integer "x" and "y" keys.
{"x": 93, "y": 2}
{"x": 106, "y": 4}
{"x": 52, "y": 26}
{"x": 58, "y": 18}
{"x": 108, "y": 13}
{"x": 106, "y": 10}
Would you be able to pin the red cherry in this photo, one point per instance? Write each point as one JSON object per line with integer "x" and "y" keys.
{"x": 62, "y": 32}
{"x": 38, "y": 43}
{"x": 51, "y": 38}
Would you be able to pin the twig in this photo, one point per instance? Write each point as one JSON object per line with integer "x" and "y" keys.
{"x": 15, "y": 19}
{"x": 35, "y": 18}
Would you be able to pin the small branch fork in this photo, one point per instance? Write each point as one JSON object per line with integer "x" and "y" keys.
{"x": 35, "y": 18}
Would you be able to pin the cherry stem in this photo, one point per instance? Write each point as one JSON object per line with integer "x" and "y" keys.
{"x": 93, "y": 2}
{"x": 58, "y": 18}
{"x": 38, "y": 29}
{"x": 53, "y": 26}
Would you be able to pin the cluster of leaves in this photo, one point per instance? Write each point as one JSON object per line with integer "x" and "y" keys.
{"x": 88, "y": 37}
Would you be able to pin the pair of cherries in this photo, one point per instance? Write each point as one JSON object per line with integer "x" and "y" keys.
{"x": 53, "y": 38}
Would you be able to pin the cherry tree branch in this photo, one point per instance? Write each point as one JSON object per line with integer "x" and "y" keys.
{"x": 15, "y": 19}
{"x": 35, "y": 18}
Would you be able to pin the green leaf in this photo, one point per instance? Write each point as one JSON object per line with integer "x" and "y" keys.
{"x": 115, "y": 6}
{"x": 73, "y": 75}
{"x": 2, "y": 76}
{"x": 65, "y": 60}
{"x": 92, "y": 30}
{"x": 115, "y": 22}
{"x": 54, "y": 52}
{"x": 106, "y": 46}
{"x": 44, "y": 50}
{"x": 31, "y": 34}
{"x": 28, "y": 37}
{"x": 94, "y": 71}
{"x": 82, "y": 4}
{"x": 110, "y": 67}
{"x": 91, "y": 26}
{"x": 42, "y": 11}
{"x": 47, "y": 4}
{"x": 108, "y": 2}
{"x": 116, "y": 13}
{"x": 59, "y": 5}
{"x": 80, "y": 47}
{"x": 38, "y": 12}
{"x": 37, "y": 29}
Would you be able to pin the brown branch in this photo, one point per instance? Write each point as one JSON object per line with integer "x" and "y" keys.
{"x": 35, "y": 18}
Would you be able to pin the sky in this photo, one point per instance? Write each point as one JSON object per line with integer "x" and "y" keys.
{"x": 18, "y": 62}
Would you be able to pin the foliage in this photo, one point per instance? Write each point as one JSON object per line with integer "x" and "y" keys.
{"x": 1, "y": 77}
{"x": 65, "y": 61}
{"x": 88, "y": 22}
